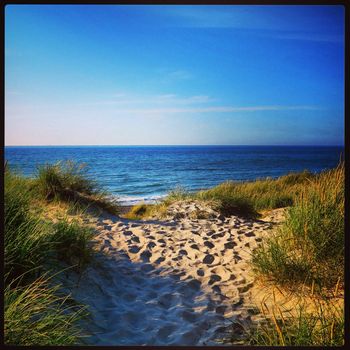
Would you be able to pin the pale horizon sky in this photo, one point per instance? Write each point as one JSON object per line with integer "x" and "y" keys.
{"x": 174, "y": 75}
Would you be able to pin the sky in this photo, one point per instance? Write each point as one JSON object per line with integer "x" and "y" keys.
{"x": 174, "y": 75}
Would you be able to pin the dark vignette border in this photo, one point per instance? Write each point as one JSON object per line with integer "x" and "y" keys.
{"x": 344, "y": 3}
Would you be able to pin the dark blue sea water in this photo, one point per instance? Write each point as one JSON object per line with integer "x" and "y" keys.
{"x": 136, "y": 173}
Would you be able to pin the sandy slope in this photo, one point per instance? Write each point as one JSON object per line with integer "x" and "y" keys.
{"x": 177, "y": 281}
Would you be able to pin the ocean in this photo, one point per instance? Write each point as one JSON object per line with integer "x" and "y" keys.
{"x": 146, "y": 173}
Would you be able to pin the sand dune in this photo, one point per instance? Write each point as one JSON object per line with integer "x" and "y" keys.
{"x": 179, "y": 281}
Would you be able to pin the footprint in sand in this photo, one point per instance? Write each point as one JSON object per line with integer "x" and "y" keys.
{"x": 200, "y": 272}
{"x": 218, "y": 235}
{"x": 147, "y": 268}
{"x": 129, "y": 297}
{"x": 159, "y": 260}
{"x": 230, "y": 245}
{"x": 250, "y": 234}
{"x": 165, "y": 300}
{"x": 209, "y": 244}
{"x": 145, "y": 255}
{"x": 134, "y": 249}
{"x": 194, "y": 284}
{"x": 221, "y": 309}
{"x": 188, "y": 316}
{"x": 135, "y": 239}
{"x": 208, "y": 259}
{"x": 213, "y": 279}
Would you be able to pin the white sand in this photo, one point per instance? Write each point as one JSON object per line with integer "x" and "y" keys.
{"x": 172, "y": 282}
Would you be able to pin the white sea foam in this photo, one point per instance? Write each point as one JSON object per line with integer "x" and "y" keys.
{"x": 132, "y": 200}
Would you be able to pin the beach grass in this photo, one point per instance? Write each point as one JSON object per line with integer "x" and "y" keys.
{"x": 69, "y": 181}
{"x": 139, "y": 211}
{"x": 236, "y": 198}
{"x": 309, "y": 246}
{"x": 26, "y": 240}
{"x": 30, "y": 240}
{"x": 307, "y": 250}
{"x": 314, "y": 321}
{"x": 53, "y": 180}
{"x": 35, "y": 314}
{"x": 71, "y": 242}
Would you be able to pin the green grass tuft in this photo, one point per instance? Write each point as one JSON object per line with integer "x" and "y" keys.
{"x": 309, "y": 247}
{"x": 36, "y": 315}
{"x": 25, "y": 241}
{"x": 69, "y": 181}
{"x": 322, "y": 327}
{"x": 54, "y": 180}
{"x": 240, "y": 198}
{"x": 70, "y": 241}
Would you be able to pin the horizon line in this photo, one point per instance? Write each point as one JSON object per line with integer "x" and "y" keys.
{"x": 184, "y": 145}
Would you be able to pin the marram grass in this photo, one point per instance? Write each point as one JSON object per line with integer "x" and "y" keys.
{"x": 323, "y": 325}
{"x": 35, "y": 314}
{"x": 68, "y": 181}
{"x": 309, "y": 247}
{"x": 236, "y": 198}
{"x": 34, "y": 311}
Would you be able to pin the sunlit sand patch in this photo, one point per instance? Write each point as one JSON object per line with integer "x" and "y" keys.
{"x": 161, "y": 284}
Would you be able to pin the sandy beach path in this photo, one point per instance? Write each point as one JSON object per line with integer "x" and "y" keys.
{"x": 179, "y": 281}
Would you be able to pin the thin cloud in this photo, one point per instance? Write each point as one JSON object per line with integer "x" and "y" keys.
{"x": 180, "y": 75}
{"x": 339, "y": 39}
{"x": 164, "y": 99}
{"x": 218, "y": 109}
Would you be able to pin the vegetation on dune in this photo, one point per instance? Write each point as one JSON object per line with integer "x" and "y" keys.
{"x": 315, "y": 322}
{"x": 29, "y": 239}
{"x": 308, "y": 249}
{"x": 26, "y": 239}
{"x": 139, "y": 211}
{"x": 69, "y": 181}
{"x": 35, "y": 313}
{"x": 70, "y": 241}
{"x": 248, "y": 198}
{"x": 309, "y": 246}
{"x": 236, "y": 198}
{"x": 54, "y": 180}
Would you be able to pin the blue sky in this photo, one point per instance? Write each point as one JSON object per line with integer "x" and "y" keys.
{"x": 148, "y": 75}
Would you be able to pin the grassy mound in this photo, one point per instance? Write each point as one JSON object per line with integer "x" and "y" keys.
{"x": 236, "y": 198}
{"x": 69, "y": 181}
{"x": 309, "y": 247}
{"x": 34, "y": 312}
